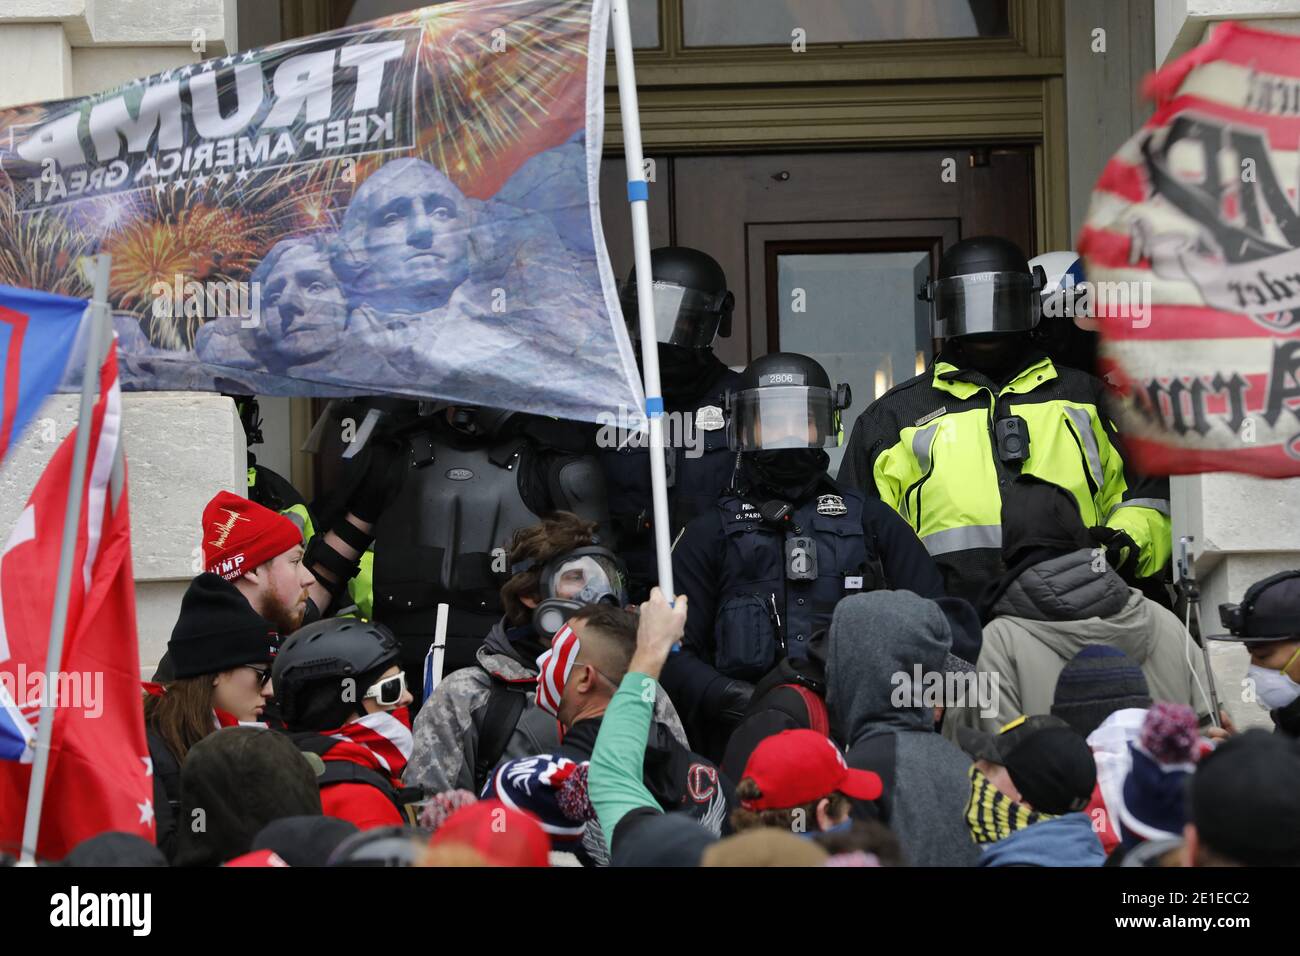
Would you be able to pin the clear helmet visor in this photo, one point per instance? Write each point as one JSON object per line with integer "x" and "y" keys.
{"x": 784, "y": 416}
{"x": 587, "y": 579}
{"x": 685, "y": 317}
{"x": 985, "y": 303}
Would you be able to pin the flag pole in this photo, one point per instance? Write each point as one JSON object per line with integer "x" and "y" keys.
{"x": 638, "y": 195}
{"x": 97, "y": 318}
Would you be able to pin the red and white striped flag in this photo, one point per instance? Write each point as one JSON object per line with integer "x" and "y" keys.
{"x": 554, "y": 667}
{"x": 100, "y": 774}
{"x": 1191, "y": 248}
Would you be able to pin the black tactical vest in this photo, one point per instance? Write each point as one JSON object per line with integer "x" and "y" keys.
{"x": 763, "y": 615}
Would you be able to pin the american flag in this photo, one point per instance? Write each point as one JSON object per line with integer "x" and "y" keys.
{"x": 1191, "y": 248}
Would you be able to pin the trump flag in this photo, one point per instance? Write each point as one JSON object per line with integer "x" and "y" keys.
{"x": 99, "y": 775}
{"x": 37, "y": 333}
{"x": 1190, "y": 246}
{"x": 407, "y": 206}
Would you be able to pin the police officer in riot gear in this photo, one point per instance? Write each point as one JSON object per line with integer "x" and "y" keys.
{"x": 692, "y": 308}
{"x": 765, "y": 566}
{"x": 942, "y": 447}
{"x": 467, "y": 479}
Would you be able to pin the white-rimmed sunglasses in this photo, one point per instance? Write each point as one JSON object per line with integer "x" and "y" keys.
{"x": 389, "y": 691}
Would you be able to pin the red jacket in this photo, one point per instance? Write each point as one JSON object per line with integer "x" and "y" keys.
{"x": 359, "y": 803}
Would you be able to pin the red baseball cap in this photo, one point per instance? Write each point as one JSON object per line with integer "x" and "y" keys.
{"x": 796, "y": 767}
{"x": 504, "y": 836}
{"x": 239, "y": 535}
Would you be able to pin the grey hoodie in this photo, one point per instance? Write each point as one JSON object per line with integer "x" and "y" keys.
{"x": 876, "y": 641}
{"x": 1053, "y": 610}
{"x": 447, "y": 728}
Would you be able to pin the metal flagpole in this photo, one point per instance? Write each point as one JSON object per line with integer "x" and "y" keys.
{"x": 638, "y": 195}
{"x": 97, "y": 317}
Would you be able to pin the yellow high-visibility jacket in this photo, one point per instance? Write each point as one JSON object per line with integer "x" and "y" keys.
{"x": 927, "y": 449}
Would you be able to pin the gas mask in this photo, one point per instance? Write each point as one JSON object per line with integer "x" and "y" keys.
{"x": 590, "y": 575}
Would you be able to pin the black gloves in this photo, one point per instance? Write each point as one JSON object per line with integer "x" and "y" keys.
{"x": 733, "y": 701}
{"x": 384, "y": 470}
{"x": 1121, "y": 550}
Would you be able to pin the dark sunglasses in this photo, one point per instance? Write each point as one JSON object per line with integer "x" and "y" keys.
{"x": 263, "y": 674}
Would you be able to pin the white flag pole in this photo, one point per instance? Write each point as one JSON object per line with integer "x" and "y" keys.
{"x": 638, "y": 196}
{"x": 96, "y": 339}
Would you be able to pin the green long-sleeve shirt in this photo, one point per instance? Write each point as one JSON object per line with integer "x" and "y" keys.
{"x": 614, "y": 779}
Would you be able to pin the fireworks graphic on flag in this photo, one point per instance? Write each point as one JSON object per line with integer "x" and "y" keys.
{"x": 498, "y": 83}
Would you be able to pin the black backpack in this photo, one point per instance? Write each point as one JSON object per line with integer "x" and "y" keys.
{"x": 506, "y": 703}
{"x": 345, "y": 771}
{"x": 791, "y": 696}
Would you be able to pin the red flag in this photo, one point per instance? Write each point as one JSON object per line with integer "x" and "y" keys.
{"x": 1192, "y": 245}
{"x": 100, "y": 775}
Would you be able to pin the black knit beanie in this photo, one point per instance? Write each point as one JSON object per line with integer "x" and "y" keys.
{"x": 218, "y": 630}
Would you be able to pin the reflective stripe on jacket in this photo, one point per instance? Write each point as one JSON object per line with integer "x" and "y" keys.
{"x": 927, "y": 449}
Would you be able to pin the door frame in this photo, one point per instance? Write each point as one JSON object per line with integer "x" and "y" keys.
{"x": 766, "y": 241}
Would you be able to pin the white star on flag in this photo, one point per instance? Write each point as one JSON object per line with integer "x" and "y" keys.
{"x": 207, "y": 65}
{"x": 148, "y": 766}
{"x": 146, "y": 811}
{"x": 227, "y": 61}
{"x": 250, "y": 55}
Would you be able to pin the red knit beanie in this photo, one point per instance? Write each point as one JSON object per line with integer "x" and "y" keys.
{"x": 239, "y": 535}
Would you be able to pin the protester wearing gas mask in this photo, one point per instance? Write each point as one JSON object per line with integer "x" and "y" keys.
{"x": 764, "y": 568}
{"x": 943, "y": 447}
{"x": 1267, "y": 621}
{"x": 483, "y": 714}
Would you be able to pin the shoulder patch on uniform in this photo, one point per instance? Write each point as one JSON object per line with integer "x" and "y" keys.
{"x": 926, "y": 419}
{"x": 831, "y": 505}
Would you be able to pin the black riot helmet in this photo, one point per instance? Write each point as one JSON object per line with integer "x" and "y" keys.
{"x": 315, "y": 660}
{"x": 692, "y": 304}
{"x": 985, "y": 287}
{"x": 785, "y": 400}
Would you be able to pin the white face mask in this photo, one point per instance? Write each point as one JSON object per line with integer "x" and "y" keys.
{"x": 1273, "y": 688}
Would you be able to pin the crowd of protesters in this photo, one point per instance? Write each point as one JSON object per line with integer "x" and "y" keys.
{"x": 296, "y": 749}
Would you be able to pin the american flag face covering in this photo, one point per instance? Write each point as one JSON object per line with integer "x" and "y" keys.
{"x": 553, "y": 669}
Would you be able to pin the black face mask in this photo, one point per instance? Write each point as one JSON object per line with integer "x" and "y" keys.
{"x": 684, "y": 374}
{"x": 787, "y": 473}
{"x": 998, "y": 356}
